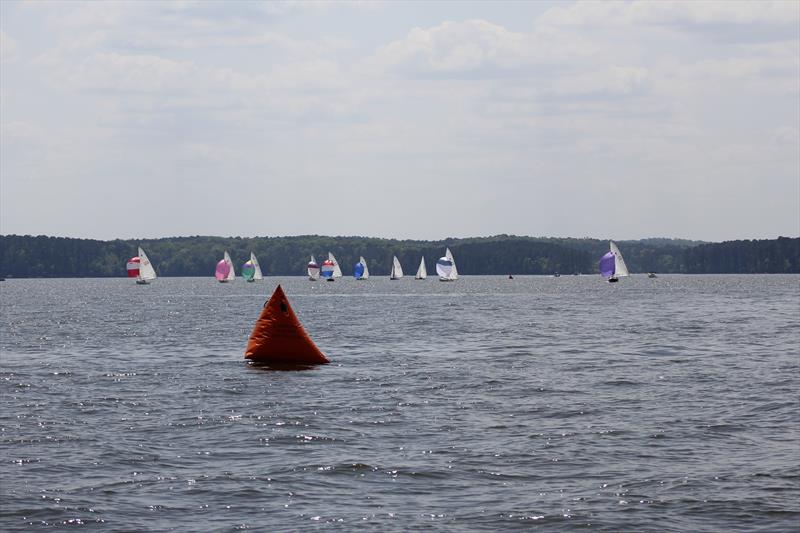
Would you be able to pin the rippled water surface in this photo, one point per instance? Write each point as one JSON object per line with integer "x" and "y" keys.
{"x": 666, "y": 404}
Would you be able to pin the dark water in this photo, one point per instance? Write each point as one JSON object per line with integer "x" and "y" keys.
{"x": 485, "y": 404}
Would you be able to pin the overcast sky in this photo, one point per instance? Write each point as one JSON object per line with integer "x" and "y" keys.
{"x": 411, "y": 120}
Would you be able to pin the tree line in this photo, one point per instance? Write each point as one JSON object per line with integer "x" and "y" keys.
{"x": 42, "y": 256}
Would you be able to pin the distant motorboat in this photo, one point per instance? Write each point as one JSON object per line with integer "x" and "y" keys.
{"x": 651, "y": 275}
{"x": 612, "y": 265}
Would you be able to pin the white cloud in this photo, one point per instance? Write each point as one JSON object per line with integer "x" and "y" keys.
{"x": 145, "y": 27}
{"x": 685, "y": 13}
{"x": 475, "y": 46}
{"x": 570, "y": 108}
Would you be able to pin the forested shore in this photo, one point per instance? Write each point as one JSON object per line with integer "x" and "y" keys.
{"x": 26, "y": 256}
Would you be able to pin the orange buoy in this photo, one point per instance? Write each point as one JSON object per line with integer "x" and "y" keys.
{"x": 278, "y": 336}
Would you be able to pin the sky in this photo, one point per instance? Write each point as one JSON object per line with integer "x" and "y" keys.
{"x": 413, "y": 120}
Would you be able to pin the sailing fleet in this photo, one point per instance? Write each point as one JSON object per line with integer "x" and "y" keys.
{"x": 612, "y": 267}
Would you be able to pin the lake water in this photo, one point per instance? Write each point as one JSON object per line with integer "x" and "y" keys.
{"x": 487, "y": 404}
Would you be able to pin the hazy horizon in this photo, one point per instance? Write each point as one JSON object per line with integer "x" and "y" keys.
{"x": 343, "y": 236}
{"x": 417, "y": 121}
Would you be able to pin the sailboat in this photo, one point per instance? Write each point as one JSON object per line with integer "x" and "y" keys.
{"x": 225, "y": 271}
{"x": 139, "y": 267}
{"x": 313, "y": 270}
{"x": 327, "y": 270}
{"x": 251, "y": 270}
{"x": 397, "y": 270}
{"x": 337, "y": 272}
{"x": 612, "y": 265}
{"x": 330, "y": 268}
{"x": 446, "y": 267}
{"x": 422, "y": 272}
{"x": 361, "y": 271}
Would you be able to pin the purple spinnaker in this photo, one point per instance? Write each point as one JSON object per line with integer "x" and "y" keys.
{"x": 607, "y": 265}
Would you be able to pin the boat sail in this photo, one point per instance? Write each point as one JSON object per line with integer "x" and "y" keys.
{"x": 361, "y": 271}
{"x": 313, "y": 270}
{"x": 337, "y": 272}
{"x": 139, "y": 267}
{"x": 446, "y": 267}
{"x": 225, "y": 271}
{"x": 251, "y": 270}
{"x": 146, "y": 271}
{"x": 397, "y": 270}
{"x": 612, "y": 265}
{"x": 422, "y": 272}
{"x": 327, "y": 270}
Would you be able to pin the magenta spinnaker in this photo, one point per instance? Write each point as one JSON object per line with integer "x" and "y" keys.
{"x": 223, "y": 269}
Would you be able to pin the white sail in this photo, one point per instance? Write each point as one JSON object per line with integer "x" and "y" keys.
{"x": 620, "y": 269}
{"x": 337, "y": 272}
{"x": 231, "y": 273}
{"x": 422, "y": 272}
{"x": 313, "y": 269}
{"x": 454, "y": 272}
{"x": 146, "y": 270}
{"x": 397, "y": 270}
{"x": 363, "y": 261}
{"x": 258, "y": 274}
{"x": 446, "y": 267}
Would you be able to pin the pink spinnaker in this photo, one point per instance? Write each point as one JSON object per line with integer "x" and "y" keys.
{"x": 223, "y": 269}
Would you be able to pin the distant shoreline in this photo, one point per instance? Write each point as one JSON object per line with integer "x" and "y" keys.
{"x": 62, "y": 257}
